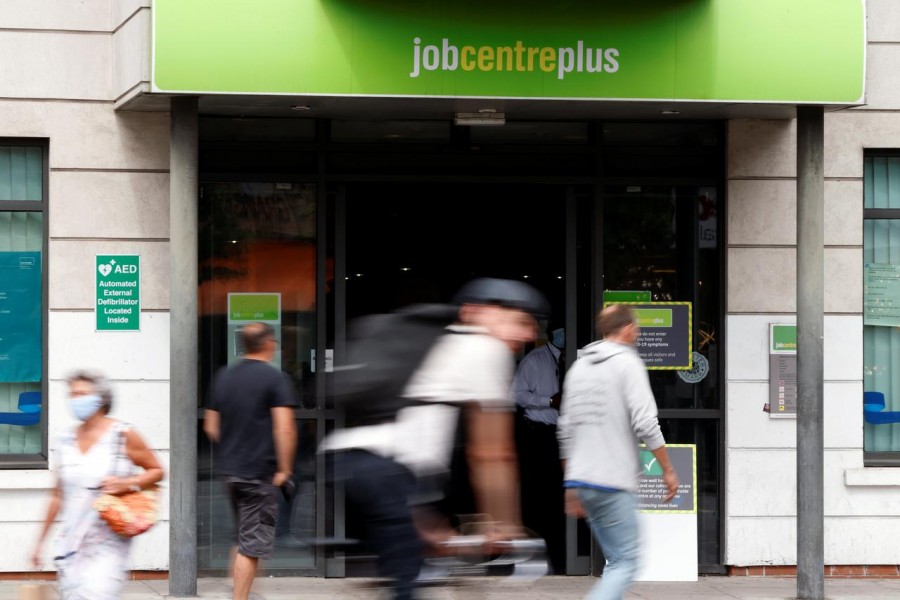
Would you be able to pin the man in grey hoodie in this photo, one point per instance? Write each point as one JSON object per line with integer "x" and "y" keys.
{"x": 607, "y": 409}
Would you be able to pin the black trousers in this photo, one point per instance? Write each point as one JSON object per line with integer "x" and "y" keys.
{"x": 379, "y": 490}
{"x": 541, "y": 479}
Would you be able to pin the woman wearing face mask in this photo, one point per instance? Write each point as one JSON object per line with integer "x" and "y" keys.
{"x": 97, "y": 457}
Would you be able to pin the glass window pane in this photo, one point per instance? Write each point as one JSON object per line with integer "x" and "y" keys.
{"x": 295, "y": 526}
{"x": 882, "y": 182}
{"x": 395, "y": 131}
{"x": 259, "y": 239}
{"x": 21, "y": 173}
{"x": 881, "y": 337}
{"x": 660, "y": 134}
{"x": 531, "y": 132}
{"x": 21, "y": 322}
{"x": 663, "y": 241}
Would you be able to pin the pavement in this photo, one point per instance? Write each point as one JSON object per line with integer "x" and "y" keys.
{"x": 498, "y": 588}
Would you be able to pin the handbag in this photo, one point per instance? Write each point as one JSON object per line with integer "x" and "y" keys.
{"x": 131, "y": 513}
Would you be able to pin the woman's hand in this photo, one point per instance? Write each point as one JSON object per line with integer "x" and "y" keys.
{"x": 37, "y": 560}
{"x": 117, "y": 485}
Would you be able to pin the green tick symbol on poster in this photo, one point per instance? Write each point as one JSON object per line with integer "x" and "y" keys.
{"x": 649, "y": 465}
{"x": 118, "y": 305}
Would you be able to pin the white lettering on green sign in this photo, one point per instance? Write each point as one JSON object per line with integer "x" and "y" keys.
{"x": 118, "y": 298}
{"x": 516, "y": 57}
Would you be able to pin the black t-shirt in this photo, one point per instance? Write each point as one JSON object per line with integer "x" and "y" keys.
{"x": 243, "y": 395}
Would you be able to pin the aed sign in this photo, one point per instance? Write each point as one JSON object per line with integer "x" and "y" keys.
{"x": 118, "y": 286}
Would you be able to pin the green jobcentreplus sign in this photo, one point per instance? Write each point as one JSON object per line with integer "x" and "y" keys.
{"x": 118, "y": 306}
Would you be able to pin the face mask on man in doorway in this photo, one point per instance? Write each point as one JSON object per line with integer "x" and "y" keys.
{"x": 558, "y": 338}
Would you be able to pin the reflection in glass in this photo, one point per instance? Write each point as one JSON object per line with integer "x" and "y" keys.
{"x": 706, "y": 435}
{"x": 21, "y": 239}
{"x": 296, "y": 524}
{"x": 664, "y": 240}
{"x": 259, "y": 238}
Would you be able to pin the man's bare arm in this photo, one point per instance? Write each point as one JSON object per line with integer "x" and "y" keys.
{"x": 284, "y": 431}
{"x": 211, "y": 422}
{"x": 491, "y": 452}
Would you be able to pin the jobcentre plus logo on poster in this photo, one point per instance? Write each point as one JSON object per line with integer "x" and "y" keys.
{"x": 118, "y": 306}
{"x": 517, "y": 57}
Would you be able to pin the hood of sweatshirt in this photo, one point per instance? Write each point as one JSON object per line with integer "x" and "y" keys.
{"x": 600, "y": 351}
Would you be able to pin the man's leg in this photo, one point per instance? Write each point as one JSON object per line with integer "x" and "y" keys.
{"x": 256, "y": 509}
{"x": 613, "y": 520}
{"x": 244, "y": 574}
{"x": 380, "y": 489}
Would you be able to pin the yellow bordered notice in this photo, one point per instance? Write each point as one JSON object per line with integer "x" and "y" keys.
{"x": 652, "y": 488}
{"x": 667, "y": 334}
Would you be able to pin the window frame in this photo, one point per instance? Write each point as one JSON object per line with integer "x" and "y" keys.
{"x": 39, "y": 460}
{"x": 873, "y": 458}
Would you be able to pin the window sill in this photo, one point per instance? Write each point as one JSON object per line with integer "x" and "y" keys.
{"x": 27, "y": 479}
{"x": 872, "y": 477}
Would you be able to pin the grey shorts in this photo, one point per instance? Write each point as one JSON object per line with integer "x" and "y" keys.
{"x": 255, "y": 507}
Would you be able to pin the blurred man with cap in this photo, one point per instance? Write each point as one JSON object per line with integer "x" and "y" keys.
{"x": 466, "y": 374}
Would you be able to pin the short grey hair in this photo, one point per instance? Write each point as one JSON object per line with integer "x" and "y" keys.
{"x": 98, "y": 380}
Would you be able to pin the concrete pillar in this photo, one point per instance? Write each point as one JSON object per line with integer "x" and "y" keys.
{"x": 183, "y": 348}
{"x": 810, "y": 333}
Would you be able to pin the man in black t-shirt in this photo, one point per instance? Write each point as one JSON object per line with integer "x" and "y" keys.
{"x": 250, "y": 420}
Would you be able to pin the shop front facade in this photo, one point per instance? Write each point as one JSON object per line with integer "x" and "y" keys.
{"x": 648, "y": 154}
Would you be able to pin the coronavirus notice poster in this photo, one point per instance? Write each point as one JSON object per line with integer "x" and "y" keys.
{"x": 20, "y": 316}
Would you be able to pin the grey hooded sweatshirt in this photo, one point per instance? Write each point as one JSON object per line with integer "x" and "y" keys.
{"x": 607, "y": 410}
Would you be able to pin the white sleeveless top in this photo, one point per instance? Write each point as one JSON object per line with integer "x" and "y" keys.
{"x": 80, "y": 475}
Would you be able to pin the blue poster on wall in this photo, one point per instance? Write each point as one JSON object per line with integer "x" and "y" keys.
{"x": 20, "y": 316}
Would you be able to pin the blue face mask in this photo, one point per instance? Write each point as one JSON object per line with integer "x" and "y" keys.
{"x": 558, "y": 338}
{"x": 84, "y": 407}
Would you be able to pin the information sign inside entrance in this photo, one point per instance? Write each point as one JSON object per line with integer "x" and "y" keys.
{"x": 666, "y": 334}
{"x": 782, "y": 370}
{"x": 118, "y": 305}
{"x": 260, "y": 307}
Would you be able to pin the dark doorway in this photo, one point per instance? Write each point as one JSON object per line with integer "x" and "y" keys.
{"x": 411, "y": 242}
{"x": 408, "y": 243}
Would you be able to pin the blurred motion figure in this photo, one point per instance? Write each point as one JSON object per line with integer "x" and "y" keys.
{"x": 465, "y": 377}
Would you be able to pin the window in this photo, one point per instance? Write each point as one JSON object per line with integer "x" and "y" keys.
{"x": 23, "y": 184}
{"x": 881, "y": 312}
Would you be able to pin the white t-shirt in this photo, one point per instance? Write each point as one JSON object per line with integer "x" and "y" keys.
{"x": 466, "y": 365}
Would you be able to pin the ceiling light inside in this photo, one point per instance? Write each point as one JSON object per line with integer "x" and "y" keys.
{"x": 301, "y": 107}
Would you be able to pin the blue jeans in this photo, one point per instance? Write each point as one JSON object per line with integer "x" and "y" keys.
{"x": 613, "y": 520}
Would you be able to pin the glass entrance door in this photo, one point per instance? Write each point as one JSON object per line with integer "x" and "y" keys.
{"x": 258, "y": 248}
{"x": 407, "y": 243}
{"x": 663, "y": 240}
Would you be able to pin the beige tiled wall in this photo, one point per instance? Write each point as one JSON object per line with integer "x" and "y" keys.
{"x": 108, "y": 193}
{"x": 761, "y": 461}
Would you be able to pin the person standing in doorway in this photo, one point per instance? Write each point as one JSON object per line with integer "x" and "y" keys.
{"x": 537, "y": 390}
{"x": 250, "y": 420}
{"x": 607, "y": 409}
